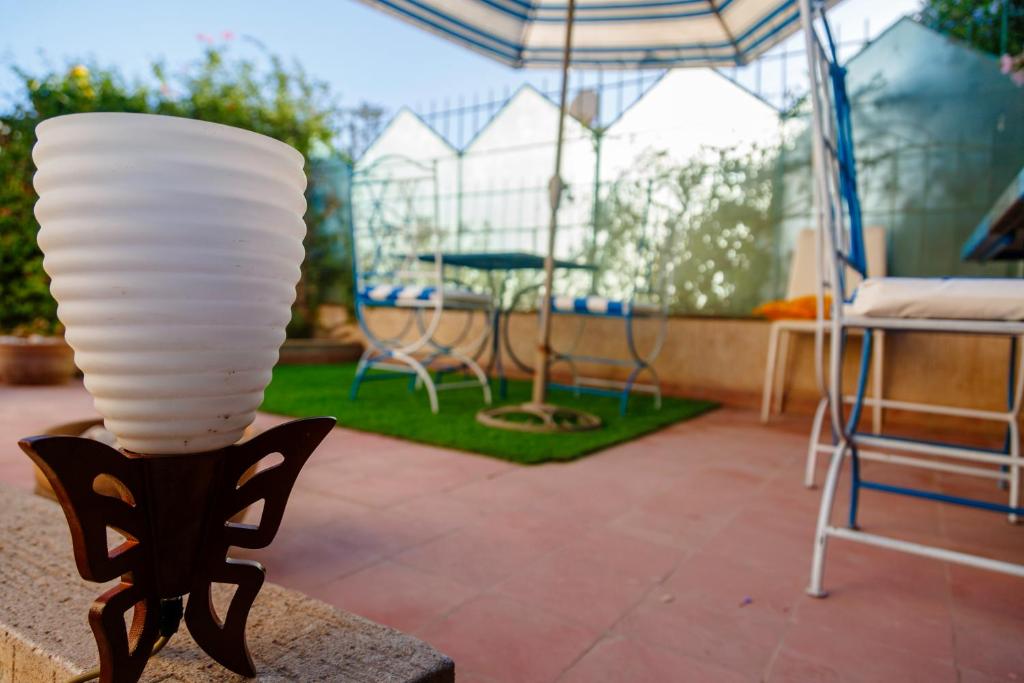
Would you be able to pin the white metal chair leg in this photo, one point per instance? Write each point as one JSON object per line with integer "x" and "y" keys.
{"x": 1014, "y": 430}
{"x": 657, "y": 388}
{"x": 481, "y": 376}
{"x": 422, "y": 373}
{"x": 812, "y": 443}
{"x": 828, "y": 497}
{"x": 878, "y": 361}
{"x": 364, "y": 358}
{"x": 780, "y": 369}
{"x": 769, "y": 373}
{"x": 1014, "y": 470}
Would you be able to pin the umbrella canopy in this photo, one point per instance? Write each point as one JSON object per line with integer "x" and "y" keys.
{"x": 607, "y": 33}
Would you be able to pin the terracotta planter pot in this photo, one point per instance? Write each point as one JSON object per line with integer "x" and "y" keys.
{"x": 45, "y": 361}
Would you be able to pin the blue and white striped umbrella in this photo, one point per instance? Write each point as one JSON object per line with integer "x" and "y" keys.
{"x": 607, "y": 33}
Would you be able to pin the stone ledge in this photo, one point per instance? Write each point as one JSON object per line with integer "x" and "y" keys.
{"x": 45, "y": 636}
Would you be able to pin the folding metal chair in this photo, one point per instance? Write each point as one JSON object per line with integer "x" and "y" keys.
{"x": 645, "y": 301}
{"x": 968, "y": 306}
{"x": 395, "y": 215}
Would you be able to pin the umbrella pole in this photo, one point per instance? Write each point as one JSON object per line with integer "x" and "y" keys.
{"x": 555, "y": 187}
{"x": 538, "y": 415}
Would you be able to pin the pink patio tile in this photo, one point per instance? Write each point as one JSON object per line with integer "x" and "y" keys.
{"x": 878, "y": 597}
{"x": 856, "y": 658}
{"x": 598, "y": 506}
{"x": 382, "y": 532}
{"x": 18, "y": 473}
{"x": 390, "y": 487}
{"x": 990, "y": 644}
{"x": 589, "y": 593}
{"x": 535, "y": 528}
{"x": 717, "y": 491}
{"x": 875, "y": 617}
{"x": 781, "y": 499}
{"x": 464, "y": 676}
{"x": 508, "y": 641}
{"x": 617, "y": 660}
{"x": 726, "y": 634}
{"x": 772, "y": 542}
{"x": 729, "y": 583}
{"x": 441, "y": 510}
{"x": 469, "y": 464}
{"x": 983, "y": 532}
{"x": 861, "y": 570}
{"x": 502, "y": 492}
{"x": 680, "y": 531}
{"x": 597, "y": 497}
{"x": 396, "y": 595}
{"x": 476, "y": 556}
{"x": 309, "y": 511}
{"x": 903, "y": 517}
{"x": 971, "y": 676}
{"x": 30, "y": 410}
{"x": 625, "y": 554}
{"x": 791, "y": 668}
{"x": 649, "y": 461}
{"x": 306, "y": 562}
{"x": 986, "y": 592}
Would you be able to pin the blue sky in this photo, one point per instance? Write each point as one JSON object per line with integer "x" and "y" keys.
{"x": 363, "y": 53}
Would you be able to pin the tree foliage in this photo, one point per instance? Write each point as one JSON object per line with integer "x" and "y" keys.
{"x": 700, "y": 231}
{"x": 264, "y": 95}
{"x": 993, "y": 26}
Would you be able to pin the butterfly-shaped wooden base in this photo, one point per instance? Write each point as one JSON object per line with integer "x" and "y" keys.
{"x": 174, "y": 512}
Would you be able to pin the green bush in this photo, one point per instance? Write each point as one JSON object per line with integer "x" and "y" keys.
{"x": 701, "y": 230}
{"x": 266, "y": 96}
{"x": 993, "y": 26}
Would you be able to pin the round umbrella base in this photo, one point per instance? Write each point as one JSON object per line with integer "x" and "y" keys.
{"x": 539, "y": 418}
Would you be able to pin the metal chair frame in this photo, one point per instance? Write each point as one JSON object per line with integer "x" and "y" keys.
{"x": 637, "y": 363}
{"x": 397, "y": 355}
{"x": 840, "y": 245}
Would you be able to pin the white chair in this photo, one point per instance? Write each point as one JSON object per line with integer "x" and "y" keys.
{"x": 803, "y": 282}
{"x": 988, "y": 306}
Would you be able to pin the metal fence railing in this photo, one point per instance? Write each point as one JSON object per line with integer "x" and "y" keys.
{"x": 937, "y": 139}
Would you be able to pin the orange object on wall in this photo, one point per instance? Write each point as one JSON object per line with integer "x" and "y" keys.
{"x": 799, "y": 308}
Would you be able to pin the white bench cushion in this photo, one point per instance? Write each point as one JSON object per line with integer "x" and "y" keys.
{"x": 940, "y": 298}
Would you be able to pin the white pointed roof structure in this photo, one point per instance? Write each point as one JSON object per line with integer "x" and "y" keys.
{"x": 408, "y": 147}
{"x": 686, "y": 111}
{"x": 408, "y": 135}
{"x": 505, "y": 172}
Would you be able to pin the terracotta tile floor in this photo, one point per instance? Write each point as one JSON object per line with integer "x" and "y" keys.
{"x": 679, "y": 557}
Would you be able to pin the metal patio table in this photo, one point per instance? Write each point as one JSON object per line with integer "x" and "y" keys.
{"x": 495, "y": 263}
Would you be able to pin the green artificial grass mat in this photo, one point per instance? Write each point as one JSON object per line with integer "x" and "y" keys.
{"x": 389, "y": 407}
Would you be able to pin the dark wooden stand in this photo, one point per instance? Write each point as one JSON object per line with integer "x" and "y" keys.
{"x": 174, "y": 512}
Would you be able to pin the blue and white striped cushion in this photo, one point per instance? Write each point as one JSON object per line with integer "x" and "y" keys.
{"x": 599, "y": 305}
{"x": 392, "y": 294}
{"x": 417, "y": 295}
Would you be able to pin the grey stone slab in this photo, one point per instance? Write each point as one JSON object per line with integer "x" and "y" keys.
{"x": 45, "y": 636}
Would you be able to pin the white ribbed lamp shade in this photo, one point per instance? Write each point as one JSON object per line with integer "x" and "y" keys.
{"x": 174, "y": 249}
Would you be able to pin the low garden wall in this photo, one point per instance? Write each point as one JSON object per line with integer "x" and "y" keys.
{"x": 724, "y": 359}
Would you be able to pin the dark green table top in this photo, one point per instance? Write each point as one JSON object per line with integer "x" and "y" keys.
{"x": 501, "y": 260}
